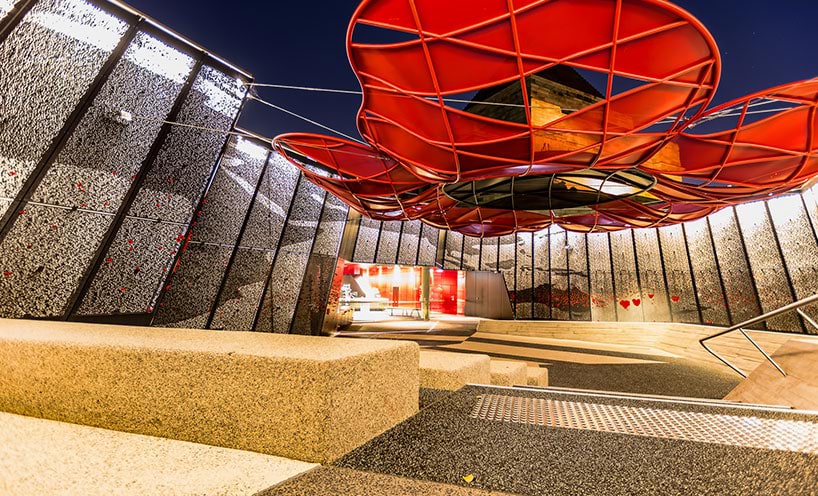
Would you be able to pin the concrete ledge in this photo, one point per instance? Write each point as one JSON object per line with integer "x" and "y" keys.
{"x": 306, "y": 398}
{"x": 537, "y": 376}
{"x": 45, "y": 457}
{"x": 506, "y": 373}
{"x": 452, "y": 371}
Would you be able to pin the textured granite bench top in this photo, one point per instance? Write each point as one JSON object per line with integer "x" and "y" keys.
{"x": 265, "y": 345}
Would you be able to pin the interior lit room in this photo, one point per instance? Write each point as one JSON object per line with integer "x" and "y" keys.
{"x": 401, "y": 247}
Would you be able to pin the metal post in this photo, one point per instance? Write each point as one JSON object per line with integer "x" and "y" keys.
{"x": 400, "y": 240}
{"x": 130, "y": 197}
{"x": 664, "y": 275}
{"x": 590, "y": 288}
{"x": 426, "y": 304}
{"x": 67, "y": 130}
{"x": 215, "y": 305}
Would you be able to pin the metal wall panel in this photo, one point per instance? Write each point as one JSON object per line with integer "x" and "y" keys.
{"x": 290, "y": 265}
{"x": 471, "y": 253}
{"x": 651, "y": 276}
{"x": 542, "y": 274}
{"x": 6, "y": 6}
{"x": 427, "y": 253}
{"x": 507, "y": 248}
{"x": 367, "y": 242}
{"x": 84, "y": 37}
{"x": 488, "y": 254}
{"x": 559, "y": 296}
{"x": 388, "y": 243}
{"x": 453, "y": 256}
{"x": 679, "y": 279}
{"x": 247, "y": 279}
{"x": 603, "y": 302}
{"x": 578, "y": 279}
{"x": 625, "y": 276}
{"x": 168, "y": 197}
{"x": 706, "y": 273}
{"x": 196, "y": 282}
{"x": 738, "y": 283}
{"x": 767, "y": 265}
{"x": 409, "y": 240}
{"x": 524, "y": 291}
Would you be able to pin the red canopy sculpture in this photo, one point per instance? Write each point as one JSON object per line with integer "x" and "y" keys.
{"x": 619, "y": 157}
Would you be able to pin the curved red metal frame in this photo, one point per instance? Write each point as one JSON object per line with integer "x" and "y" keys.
{"x": 417, "y": 143}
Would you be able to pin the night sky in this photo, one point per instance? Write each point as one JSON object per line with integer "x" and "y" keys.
{"x": 763, "y": 43}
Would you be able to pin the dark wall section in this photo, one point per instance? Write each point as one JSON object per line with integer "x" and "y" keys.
{"x": 720, "y": 270}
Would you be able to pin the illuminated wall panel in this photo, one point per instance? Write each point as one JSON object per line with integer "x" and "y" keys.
{"x": 651, "y": 277}
{"x": 706, "y": 273}
{"x": 471, "y": 253}
{"x": 75, "y": 38}
{"x": 428, "y": 245}
{"x": 196, "y": 282}
{"x": 799, "y": 246}
{"x": 579, "y": 290}
{"x": 453, "y": 255}
{"x": 247, "y": 278}
{"x": 312, "y": 301}
{"x": 507, "y": 246}
{"x": 388, "y": 244}
{"x": 542, "y": 275}
{"x": 766, "y": 264}
{"x": 524, "y": 278}
{"x": 603, "y": 303}
{"x": 626, "y": 282}
{"x": 168, "y": 196}
{"x": 291, "y": 262}
{"x": 488, "y": 256}
{"x": 6, "y": 6}
{"x": 679, "y": 279}
{"x": 367, "y": 241}
{"x": 560, "y": 296}
{"x": 738, "y": 283}
{"x": 408, "y": 250}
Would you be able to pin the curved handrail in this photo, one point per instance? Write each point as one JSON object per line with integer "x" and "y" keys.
{"x": 796, "y": 306}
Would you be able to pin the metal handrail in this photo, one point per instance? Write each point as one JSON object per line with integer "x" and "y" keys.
{"x": 762, "y": 318}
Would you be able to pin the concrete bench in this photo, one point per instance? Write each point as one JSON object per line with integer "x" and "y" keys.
{"x": 452, "y": 371}
{"x": 305, "y": 398}
{"x": 507, "y": 373}
{"x": 537, "y": 376}
{"x": 46, "y": 457}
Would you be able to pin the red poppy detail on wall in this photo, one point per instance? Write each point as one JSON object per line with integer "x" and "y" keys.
{"x": 579, "y": 114}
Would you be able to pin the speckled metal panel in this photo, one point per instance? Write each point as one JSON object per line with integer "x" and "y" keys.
{"x": 311, "y": 306}
{"x": 453, "y": 257}
{"x": 800, "y": 436}
{"x": 428, "y": 245}
{"x": 626, "y": 283}
{"x": 181, "y": 171}
{"x": 35, "y": 76}
{"x": 652, "y": 280}
{"x": 136, "y": 265}
{"x": 603, "y": 303}
{"x": 193, "y": 287}
{"x": 679, "y": 279}
{"x": 388, "y": 244}
{"x": 102, "y": 156}
{"x": 767, "y": 265}
{"x": 560, "y": 300}
{"x": 471, "y": 253}
{"x": 408, "y": 250}
{"x": 291, "y": 263}
{"x": 798, "y": 245}
{"x": 6, "y": 6}
{"x": 488, "y": 257}
{"x": 272, "y": 203}
{"x": 242, "y": 292}
{"x": 229, "y": 198}
{"x": 811, "y": 201}
{"x": 579, "y": 290}
{"x": 706, "y": 273}
{"x": 738, "y": 283}
{"x": 43, "y": 257}
{"x": 524, "y": 277}
{"x": 367, "y": 241}
{"x": 542, "y": 274}
{"x": 507, "y": 246}
{"x": 170, "y": 194}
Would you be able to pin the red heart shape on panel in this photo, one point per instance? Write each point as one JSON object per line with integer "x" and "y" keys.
{"x": 675, "y": 298}
{"x": 651, "y": 295}
{"x": 637, "y": 301}
{"x": 625, "y": 304}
